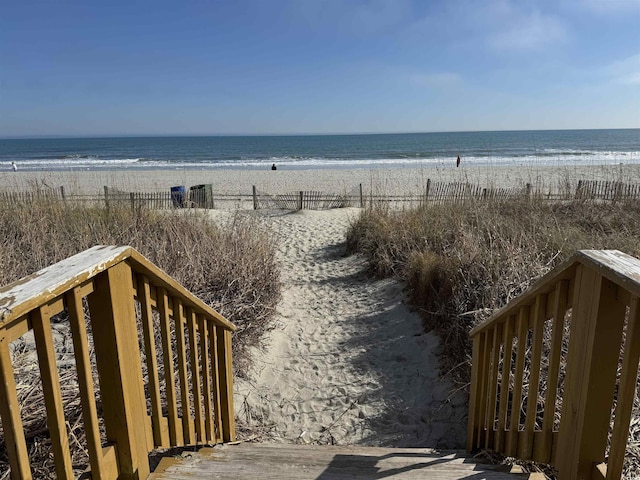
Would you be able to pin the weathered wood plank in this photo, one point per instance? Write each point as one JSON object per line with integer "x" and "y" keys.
{"x": 283, "y": 462}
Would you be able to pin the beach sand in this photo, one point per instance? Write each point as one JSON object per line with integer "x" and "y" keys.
{"x": 348, "y": 361}
{"x": 390, "y": 181}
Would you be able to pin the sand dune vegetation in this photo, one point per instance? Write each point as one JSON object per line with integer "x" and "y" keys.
{"x": 230, "y": 265}
{"x": 462, "y": 261}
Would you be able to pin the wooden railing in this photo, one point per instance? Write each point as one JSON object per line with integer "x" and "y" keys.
{"x": 129, "y": 303}
{"x": 548, "y": 369}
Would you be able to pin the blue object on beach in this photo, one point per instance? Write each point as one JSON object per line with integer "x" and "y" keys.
{"x": 178, "y": 196}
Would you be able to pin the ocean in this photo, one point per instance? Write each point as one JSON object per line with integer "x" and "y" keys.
{"x": 510, "y": 148}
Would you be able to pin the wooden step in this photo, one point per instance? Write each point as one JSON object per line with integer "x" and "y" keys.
{"x": 286, "y": 461}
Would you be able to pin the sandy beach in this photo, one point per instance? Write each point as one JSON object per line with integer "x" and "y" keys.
{"x": 348, "y": 362}
{"x": 390, "y": 181}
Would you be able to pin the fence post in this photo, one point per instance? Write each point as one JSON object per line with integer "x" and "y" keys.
{"x": 528, "y": 190}
{"x": 113, "y": 321}
{"x": 106, "y": 196}
{"x": 132, "y": 197}
{"x": 361, "y": 197}
{"x": 64, "y": 198}
{"x": 255, "y": 198}
{"x": 579, "y": 189}
{"x": 426, "y": 191}
{"x": 301, "y": 199}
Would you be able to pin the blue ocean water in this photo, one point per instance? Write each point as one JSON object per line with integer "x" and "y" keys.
{"x": 544, "y": 147}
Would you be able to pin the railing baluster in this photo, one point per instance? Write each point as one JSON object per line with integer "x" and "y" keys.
{"x": 169, "y": 374}
{"x": 51, "y": 389}
{"x": 476, "y": 382}
{"x": 522, "y": 327}
{"x": 206, "y": 376}
{"x": 484, "y": 375}
{"x": 505, "y": 383}
{"x": 12, "y": 428}
{"x": 217, "y": 402}
{"x": 85, "y": 383}
{"x": 195, "y": 374}
{"x": 493, "y": 386}
{"x": 626, "y": 392}
{"x": 187, "y": 424}
{"x": 542, "y": 451}
{"x": 160, "y": 435}
{"x": 525, "y": 449}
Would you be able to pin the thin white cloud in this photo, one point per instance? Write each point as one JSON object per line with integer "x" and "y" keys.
{"x": 604, "y": 7}
{"x": 625, "y": 71}
{"x": 515, "y": 29}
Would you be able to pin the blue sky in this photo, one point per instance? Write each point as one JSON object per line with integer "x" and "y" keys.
{"x": 316, "y": 66}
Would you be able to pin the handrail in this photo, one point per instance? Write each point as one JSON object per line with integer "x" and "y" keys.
{"x": 131, "y": 303}
{"x": 544, "y": 368}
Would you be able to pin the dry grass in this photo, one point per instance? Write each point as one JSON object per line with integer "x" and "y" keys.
{"x": 462, "y": 261}
{"x": 231, "y": 266}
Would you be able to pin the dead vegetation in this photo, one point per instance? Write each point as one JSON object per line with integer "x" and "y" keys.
{"x": 462, "y": 261}
{"x": 229, "y": 265}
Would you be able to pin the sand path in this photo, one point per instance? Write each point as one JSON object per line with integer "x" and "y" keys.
{"x": 348, "y": 362}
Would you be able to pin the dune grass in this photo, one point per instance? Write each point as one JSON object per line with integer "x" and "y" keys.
{"x": 230, "y": 265}
{"x": 460, "y": 262}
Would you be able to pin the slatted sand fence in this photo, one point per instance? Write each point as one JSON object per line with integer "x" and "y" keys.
{"x": 607, "y": 190}
{"x": 302, "y": 200}
{"x": 14, "y": 197}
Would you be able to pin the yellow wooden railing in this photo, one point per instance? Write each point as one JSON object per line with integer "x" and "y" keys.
{"x": 548, "y": 368}
{"x": 128, "y": 300}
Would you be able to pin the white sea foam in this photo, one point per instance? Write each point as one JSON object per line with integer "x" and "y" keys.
{"x": 548, "y": 157}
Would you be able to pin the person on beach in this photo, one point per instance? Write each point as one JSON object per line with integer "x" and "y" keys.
{"x": 14, "y": 166}
{"x": 458, "y": 162}
{"x": 273, "y": 167}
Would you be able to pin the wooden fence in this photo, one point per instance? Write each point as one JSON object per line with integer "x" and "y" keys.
{"x": 182, "y": 394}
{"x": 553, "y": 369}
{"x": 604, "y": 190}
{"x": 435, "y": 193}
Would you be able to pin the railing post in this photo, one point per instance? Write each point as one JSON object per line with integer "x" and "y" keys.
{"x": 301, "y": 200}
{"x": 596, "y": 332}
{"x": 113, "y": 322}
{"x": 361, "y": 197}
{"x": 255, "y": 198}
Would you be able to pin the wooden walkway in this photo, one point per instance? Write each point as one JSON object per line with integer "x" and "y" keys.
{"x": 282, "y": 462}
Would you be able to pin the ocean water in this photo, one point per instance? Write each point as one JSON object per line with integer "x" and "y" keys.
{"x": 544, "y": 147}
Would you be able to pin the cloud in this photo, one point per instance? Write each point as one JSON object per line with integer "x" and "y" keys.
{"x": 514, "y": 29}
{"x": 625, "y": 71}
{"x": 605, "y": 7}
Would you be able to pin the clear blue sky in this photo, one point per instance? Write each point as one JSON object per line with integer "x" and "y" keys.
{"x": 316, "y": 66}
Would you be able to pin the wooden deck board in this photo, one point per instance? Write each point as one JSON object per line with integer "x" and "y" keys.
{"x": 282, "y": 462}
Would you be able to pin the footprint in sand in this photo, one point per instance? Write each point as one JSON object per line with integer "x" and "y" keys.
{"x": 349, "y": 342}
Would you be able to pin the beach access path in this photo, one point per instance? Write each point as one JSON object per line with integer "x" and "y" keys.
{"x": 348, "y": 362}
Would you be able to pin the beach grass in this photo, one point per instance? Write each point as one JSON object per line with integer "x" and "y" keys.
{"x": 460, "y": 262}
{"x": 230, "y": 265}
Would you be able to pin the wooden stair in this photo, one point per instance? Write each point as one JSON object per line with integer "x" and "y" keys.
{"x": 286, "y": 461}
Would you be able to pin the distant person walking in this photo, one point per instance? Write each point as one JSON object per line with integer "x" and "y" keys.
{"x": 273, "y": 167}
{"x": 14, "y": 166}
{"x": 458, "y": 162}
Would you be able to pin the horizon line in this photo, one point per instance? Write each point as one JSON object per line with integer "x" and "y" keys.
{"x": 186, "y": 135}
